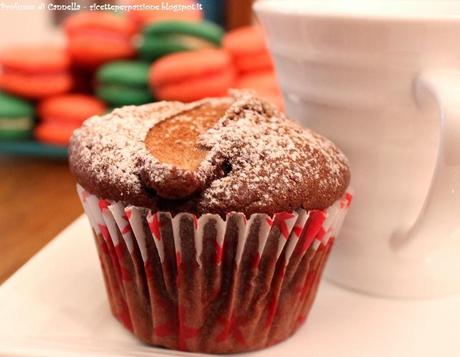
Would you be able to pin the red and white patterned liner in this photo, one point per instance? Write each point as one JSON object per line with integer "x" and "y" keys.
{"x": 123, "y": 226}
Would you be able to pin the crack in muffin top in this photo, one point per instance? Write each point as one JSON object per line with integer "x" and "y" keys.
{"x": 216, "y": 155}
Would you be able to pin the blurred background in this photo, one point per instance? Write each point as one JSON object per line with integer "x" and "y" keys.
{"x": 62, "y": 62}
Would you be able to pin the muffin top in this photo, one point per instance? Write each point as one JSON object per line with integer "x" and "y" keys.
{"x": 215, "y": 155}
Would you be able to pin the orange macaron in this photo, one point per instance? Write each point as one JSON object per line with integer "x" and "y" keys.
{"x": 95, "y": 38}
{"x": 53, "y": 134}
{"x": 264, "y": 84}
{"x": 61, "y": 115}
{"x": 35, "y": 71}
{"x": 159, "y": 10}
{"x": 248, "y": 49}
{"x": 189, "y": 76}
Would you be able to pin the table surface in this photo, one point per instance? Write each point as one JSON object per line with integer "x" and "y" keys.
{"x": 38, "y": 200}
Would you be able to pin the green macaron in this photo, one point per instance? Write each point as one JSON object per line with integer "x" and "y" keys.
{"x": 124, "y": 83}
{"x": 16, "y": 117}
{"x": 164, "y": 37}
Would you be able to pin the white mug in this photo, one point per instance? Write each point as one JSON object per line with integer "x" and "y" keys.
{"x": 382, "y": 80}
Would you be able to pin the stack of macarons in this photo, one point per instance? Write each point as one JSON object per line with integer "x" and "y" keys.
{"x": 192, "y": 75}
{"x": 188, "y": 61}
{"x": 248, "y": 49}
{"x": 35, "y": 72}
{"x": 253, "y": 62}
{"x": 111, "y": 61}
{"x": 95, "y": 38}
{"x": 166, "y": 37}
{"x": 61, "y": 115}
{"x": 16, "y": 117}
{"x": 124, "y": 82}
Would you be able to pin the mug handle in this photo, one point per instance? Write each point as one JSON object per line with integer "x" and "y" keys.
{"x": 440, "y": 214}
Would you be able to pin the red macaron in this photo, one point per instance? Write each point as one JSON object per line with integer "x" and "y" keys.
{"x": 35, "y": 71}
{"x": 248, "y": 49}
{"x": 95, "y": 38}
{"x": 189, "y": 76}
{"x": 61, "y": 115}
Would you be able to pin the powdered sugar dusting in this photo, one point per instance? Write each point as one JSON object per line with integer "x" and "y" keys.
{"x": 271, "y": 157}
{"x": 107, "y": 148}
{"x": 257, "y": 160}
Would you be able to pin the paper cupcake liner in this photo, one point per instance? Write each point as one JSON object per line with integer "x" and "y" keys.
{"x": 206, "y": 284}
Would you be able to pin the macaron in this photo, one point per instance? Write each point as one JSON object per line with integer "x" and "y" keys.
{"x": 165, "y": 37}
{"x": 35, "y": 71}
{"x": 186, "y": 10}
{"x": 16, "y": 117}
{"x": 264, "y": 84}
{"x": 53, "y": 133}
{"x": 123, "y": 83}
{"x": 95, "y": 38}
{"x": 189, "y": 76}
{"x": 248, "y": 49}
{"x": 61, "y": 115}
{"x": 70, "y": 108}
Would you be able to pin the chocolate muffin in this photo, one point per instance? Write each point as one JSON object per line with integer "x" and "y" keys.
{"x": 213, "y": 219}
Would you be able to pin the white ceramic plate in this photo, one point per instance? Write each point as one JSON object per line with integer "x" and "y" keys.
{"x": 55, "y": 305}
